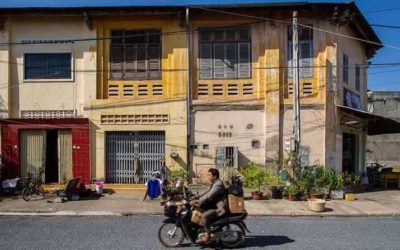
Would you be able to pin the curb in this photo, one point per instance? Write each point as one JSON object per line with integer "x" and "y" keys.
{"x": 107, "y": 213}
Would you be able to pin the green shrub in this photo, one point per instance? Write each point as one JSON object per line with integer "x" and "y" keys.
{"x": 255, "y": 175}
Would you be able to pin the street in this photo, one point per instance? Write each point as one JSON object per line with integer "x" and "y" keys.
{"x": 139, "y": 232}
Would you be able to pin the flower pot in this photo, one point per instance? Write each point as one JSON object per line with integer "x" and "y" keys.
{"x": 291, "y": 197}
{"x": 315, "y": 196}
{"x": 276, "y": 192}
{"x": 257, "y": 195}
{"x": 337, "y": 195}
{"x": 316, "y": 205}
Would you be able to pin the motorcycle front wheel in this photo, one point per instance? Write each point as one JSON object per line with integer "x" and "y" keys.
{"x": 170, "y": 235}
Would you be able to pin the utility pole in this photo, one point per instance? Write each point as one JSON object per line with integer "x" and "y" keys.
{"x": 296, "y": 85}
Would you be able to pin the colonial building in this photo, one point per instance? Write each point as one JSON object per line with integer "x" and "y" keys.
{"x": 113, "y": 93}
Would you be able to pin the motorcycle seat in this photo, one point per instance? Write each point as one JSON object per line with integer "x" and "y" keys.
{"x": 230, "y": 219}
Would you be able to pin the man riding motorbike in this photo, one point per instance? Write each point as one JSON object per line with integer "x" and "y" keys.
{"x": 213, "y": 200}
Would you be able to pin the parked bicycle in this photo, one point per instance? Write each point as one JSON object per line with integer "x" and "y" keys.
{"x": 33, "y": 188}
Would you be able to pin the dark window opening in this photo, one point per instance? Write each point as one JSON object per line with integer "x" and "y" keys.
{"x": 135, "y": 54}
{"x": 305, "y": 52}
{"x": 225, "y": 53}
{"x": 47, "y": 66}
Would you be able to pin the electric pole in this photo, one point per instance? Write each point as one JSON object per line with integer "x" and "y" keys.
{"x": 296, "y": 85}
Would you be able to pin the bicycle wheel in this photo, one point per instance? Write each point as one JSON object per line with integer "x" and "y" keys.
{"x": 26, "y": 194}
{"x": 170, "y": 235}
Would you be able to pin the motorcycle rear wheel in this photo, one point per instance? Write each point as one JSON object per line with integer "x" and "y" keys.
{"x": 240, "y": 242}
{"x": 170, "y": 235}
{"x": 27, "y": 194}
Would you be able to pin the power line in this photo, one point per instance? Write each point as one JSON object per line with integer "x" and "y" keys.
{"x": 381, "y": 11}
{"x": 302, "y": 25}
{"x": 385, "y": 26}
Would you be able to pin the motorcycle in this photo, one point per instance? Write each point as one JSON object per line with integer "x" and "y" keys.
{"x": 228, "y": 231}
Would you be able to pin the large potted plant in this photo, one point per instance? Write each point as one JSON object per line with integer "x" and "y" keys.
{"x": 254, "y": 177}
{"x": 290, "y": 191}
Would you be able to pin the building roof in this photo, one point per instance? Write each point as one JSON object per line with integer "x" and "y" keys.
{"x": 135, "y": 3}
{"x": 348, "y": 12}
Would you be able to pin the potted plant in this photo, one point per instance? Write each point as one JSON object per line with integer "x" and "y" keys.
{"x": 337, "y": 189}
{"x": 290, "y": 191}
{"x": 254, "y": 177}
{"x": 276, "y": 186}
{"x": 350, "y": 181}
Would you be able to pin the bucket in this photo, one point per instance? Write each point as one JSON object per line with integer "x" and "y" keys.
{"x": 99, "y": 187}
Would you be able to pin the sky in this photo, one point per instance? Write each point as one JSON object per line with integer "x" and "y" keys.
{"x": 381, "y": 12}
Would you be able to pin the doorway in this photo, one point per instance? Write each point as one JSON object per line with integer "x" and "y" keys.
{"x": 349, "y": 160}
{"x": 47, "y": 150}
{"x": 51, "y": 165}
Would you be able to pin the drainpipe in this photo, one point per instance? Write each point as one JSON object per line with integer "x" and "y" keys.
{"x": 188, "y": 92}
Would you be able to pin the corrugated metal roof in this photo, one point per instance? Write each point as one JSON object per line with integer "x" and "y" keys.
{"x": 16, "y": 4}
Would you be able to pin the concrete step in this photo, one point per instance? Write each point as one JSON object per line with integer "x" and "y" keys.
{"x": 108, "y": 188}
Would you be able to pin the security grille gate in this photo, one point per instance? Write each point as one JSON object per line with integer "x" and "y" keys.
{"x": 133, "y": 156}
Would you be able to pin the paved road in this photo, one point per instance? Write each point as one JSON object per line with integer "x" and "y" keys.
{"x": 139, "y": 232}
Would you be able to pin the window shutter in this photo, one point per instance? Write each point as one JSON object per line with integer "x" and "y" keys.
{"x": 154, "y": 62}
{"x": 235, "y": 157}
{"x": 219, "y": 60}
{"x": 305, "y": 62}
{"x": 244, "y": 60}
{"x": 130, "y": 62}
{"x": 116, "y": 66}
{"x": 205, "y": 61}
{"x": 230, "y": 60}
{"x": 141, "y": 61}
{"x": 220, "y": 157}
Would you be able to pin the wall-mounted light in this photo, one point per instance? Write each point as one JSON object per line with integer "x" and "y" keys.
{"x": 174, "y": 155}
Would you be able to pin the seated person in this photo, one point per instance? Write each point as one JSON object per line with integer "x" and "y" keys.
{"x": 213, "y": 200}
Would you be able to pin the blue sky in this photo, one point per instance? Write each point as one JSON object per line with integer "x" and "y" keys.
{"x": 379, "y": 77}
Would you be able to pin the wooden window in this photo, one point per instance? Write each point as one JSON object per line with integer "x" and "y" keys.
{"x": 358, "y": 77}
{"x": 135, "y": 55}
{"x": 47, "y": 66}
{"x": 345, "y": 68}
{"x": 224, "y": 53}
{"x": 305, "y": 52}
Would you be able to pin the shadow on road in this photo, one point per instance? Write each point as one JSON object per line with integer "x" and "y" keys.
{"x": 267, "y": 240}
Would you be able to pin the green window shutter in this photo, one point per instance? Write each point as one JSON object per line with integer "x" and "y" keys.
{"x": 220, "y": 156}
{"x": 154, "y": 64}
{"x": 141, "y": 61}
{"x": 219, "y": 60}
{"x": 244, "y": 65}
{"x": 116, "y": 65}
{"x": 230, "y": 60}
{"x": 305, "y": 59}
{"x": 206, "y": 61}
{"x": 130, "y": 62}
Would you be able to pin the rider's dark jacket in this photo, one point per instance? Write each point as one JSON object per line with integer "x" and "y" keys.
{"x": 214, "y": 197}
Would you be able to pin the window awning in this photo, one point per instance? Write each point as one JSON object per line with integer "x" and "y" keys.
{"x": 376, "y": 124}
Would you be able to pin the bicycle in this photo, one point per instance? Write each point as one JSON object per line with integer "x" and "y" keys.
{"x": 32, "y": 188}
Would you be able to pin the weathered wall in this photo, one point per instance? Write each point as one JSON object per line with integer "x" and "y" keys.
{"x": 384, "y": 149}
{"x": 171, "y": 103}
{"x": 59, "y": 94}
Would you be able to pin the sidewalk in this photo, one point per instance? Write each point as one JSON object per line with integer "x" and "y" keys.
{"x": 380, "y": 203}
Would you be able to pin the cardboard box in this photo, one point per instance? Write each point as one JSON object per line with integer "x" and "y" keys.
{"x": 236, "y": 204}
{"x": 197, "y": 218}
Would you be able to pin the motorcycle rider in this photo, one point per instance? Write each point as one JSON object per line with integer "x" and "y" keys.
{"x": 213, "y": 200}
